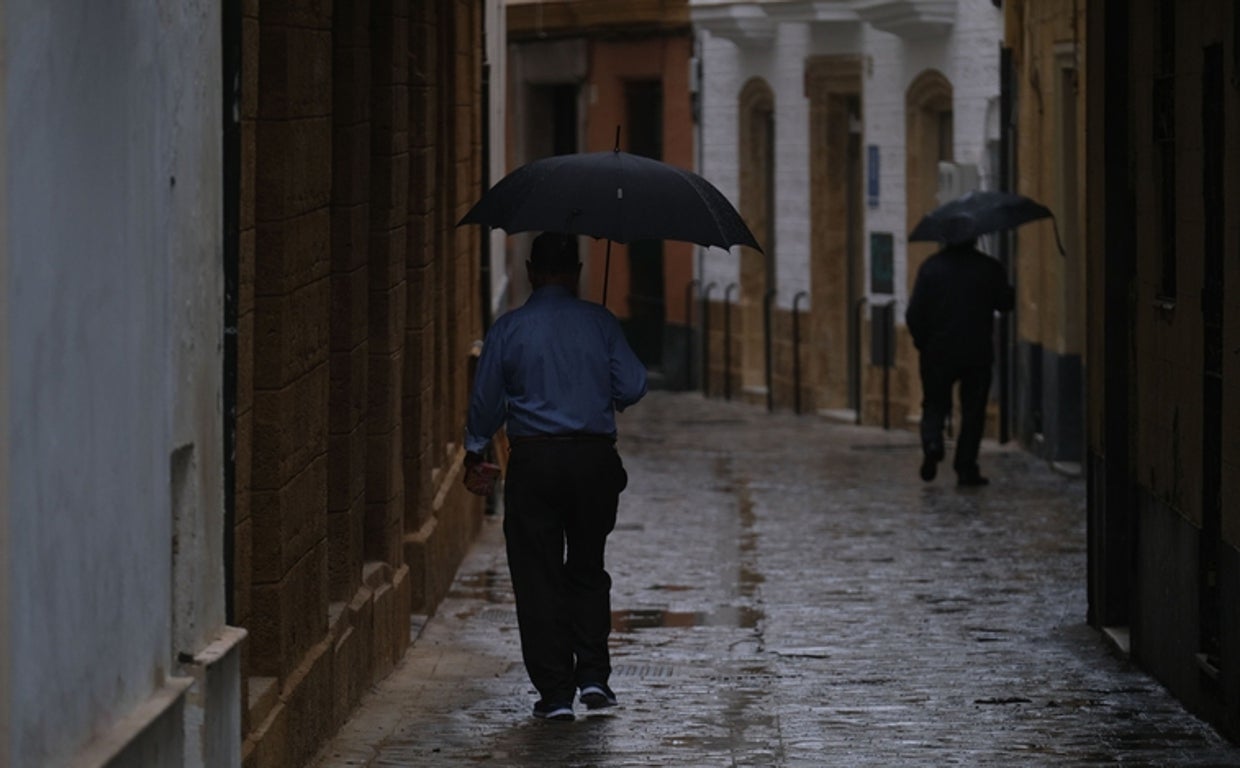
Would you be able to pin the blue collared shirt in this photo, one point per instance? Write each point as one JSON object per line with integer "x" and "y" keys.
{"x": 555, "y": 365}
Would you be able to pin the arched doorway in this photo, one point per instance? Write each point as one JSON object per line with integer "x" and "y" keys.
{"x": 928, "y": 124}
{"x": 928, "y": 141}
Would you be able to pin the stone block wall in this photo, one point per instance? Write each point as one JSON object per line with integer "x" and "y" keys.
{"x": 359, "y": 299}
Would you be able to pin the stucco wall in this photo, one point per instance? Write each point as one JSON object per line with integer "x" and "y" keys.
{"x": 5, "y": 578}
{"x": 112, "y": 333}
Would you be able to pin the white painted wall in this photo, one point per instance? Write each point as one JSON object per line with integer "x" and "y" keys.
{"x": 112, "y": 329}
{"x": 192, "y": 154}
{"x": 724, "y": 73}
{"x": 968, "y": 56}
{"x": 792, "y": 220}
{"x": 6, "y": 686}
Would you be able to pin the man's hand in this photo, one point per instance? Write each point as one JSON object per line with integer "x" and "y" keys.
{"x": 479, "y": 476}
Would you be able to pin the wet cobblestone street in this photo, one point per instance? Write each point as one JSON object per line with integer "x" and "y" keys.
{"x": 787, "y": 592}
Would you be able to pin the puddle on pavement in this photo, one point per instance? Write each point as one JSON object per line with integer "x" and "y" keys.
{"x": 748, "y": 579}
{"x": 741, "y": 617}
{"x": 880, "y": 447}
{"x": 491, "y": 586}
{"x": 715, "y": 422}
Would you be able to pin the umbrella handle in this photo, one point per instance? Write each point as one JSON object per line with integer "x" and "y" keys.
{"x": 1058, "y": 242}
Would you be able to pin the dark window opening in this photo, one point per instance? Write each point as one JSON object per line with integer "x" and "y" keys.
{"x": 1164, "y": 139}
{"x": 647, "y": 310}
{"x": 564, "y": 119}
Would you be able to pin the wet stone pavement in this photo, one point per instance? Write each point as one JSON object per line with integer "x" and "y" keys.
{"x": 787, "y": 592}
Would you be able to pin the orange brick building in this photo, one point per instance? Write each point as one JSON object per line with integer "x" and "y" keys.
{"x": 579, "y": 71}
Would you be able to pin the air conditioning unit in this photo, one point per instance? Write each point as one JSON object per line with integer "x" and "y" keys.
{"x": 955, "y": 179}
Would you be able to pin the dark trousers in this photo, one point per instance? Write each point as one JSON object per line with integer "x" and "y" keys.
{"x": 937, "y": 378}
{"x": 560, "y": 500}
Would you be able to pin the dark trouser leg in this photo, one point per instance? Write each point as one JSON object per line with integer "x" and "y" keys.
{"x": 974, "y": 392}
{"x": 534, "y": 532}
{"x": 557, "y": 492}
{"x": 587, "y": 581}
{"x": 936, "y": 404}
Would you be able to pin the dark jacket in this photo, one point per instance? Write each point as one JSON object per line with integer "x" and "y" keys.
{"x": 951, "y": 312}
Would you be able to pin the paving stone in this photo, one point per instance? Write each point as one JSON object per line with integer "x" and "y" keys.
{"x": 787, "y": 592}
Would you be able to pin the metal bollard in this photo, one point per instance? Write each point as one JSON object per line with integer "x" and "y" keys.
{"x": 796, "y": 350}
{"x": 768, "y": 301}
{"x": 856, "y": 342}
{"x": 706, "y": 338}
{"x": 727, "y": 341}
{"x": 689, "y": 331}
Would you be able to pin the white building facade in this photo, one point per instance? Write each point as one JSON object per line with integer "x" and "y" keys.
{"x": 830, "y": 123}
{"x": 114, "y": 648}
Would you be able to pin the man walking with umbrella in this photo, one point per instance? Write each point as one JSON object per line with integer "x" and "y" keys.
{"x": 951, "y": 319}
{"x": 556, "y": 370}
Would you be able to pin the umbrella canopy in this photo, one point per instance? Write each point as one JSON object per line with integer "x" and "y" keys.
{"x": 613, "y": 195}
{"x": 978, "y": 213}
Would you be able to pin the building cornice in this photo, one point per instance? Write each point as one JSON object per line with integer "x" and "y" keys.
{"x": 755, "y": 22}
{"x": 603, "y": 18}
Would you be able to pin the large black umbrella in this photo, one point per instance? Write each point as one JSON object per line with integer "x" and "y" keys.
{"x": 978, "y": 213}
{"x": 613, "y": 195}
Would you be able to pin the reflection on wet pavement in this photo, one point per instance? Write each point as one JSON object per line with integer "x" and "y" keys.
{"x": 788, "y": 593}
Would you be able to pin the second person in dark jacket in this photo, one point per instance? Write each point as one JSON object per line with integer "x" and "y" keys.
{"x": 951, "y": 319}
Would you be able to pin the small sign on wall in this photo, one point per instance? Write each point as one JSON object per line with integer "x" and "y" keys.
{"x": 882, "y": 268}
{"x": 871, "y": 175}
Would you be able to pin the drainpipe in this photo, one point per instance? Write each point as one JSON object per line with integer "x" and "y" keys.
{"x": 230, "y": 23}
{"x": 1006, "y": 319}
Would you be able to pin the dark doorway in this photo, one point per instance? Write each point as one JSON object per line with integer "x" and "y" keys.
{"x": 564, "y": 119}
{"x": 1111, "y": 534}
{"x": 551, "y": 123}
{"x": 549, "y": 126}
{"x": 644, "y": 104}
{"x": 1212, "y": 99}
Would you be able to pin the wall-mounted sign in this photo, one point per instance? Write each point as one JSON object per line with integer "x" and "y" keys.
{"x": 882, "y": 267}
{"x": 871, "y": 175}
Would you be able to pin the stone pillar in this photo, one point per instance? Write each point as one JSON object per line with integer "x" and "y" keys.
{"x": 291, "y": 284}
{"x": 389, "y": 190}
{"x": 830, "y": 83}
{"x": 350, "y": 289}
{"x": 757, "y": 105}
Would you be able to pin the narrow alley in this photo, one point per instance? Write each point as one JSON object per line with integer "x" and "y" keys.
{"x": 787, "y": 592}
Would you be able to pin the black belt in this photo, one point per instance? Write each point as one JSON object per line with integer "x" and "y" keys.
{"x": 571, "y": 437}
